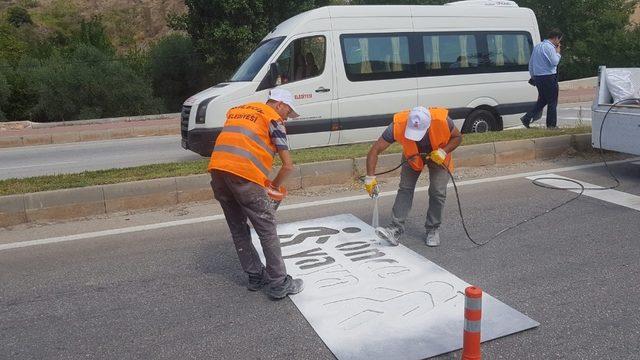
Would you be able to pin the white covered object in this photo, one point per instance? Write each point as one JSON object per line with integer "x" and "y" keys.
{"x": 623, "y": 83}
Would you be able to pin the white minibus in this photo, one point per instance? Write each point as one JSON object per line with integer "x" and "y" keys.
{"x": 351, "y": 68}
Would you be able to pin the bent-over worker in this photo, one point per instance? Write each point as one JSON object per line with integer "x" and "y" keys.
{"x": 420, "y": 131}
{"x": 240, "y": 165}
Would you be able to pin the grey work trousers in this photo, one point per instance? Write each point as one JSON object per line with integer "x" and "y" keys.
{"x": 438, "y": 180}
{"x": 241, "y": 200}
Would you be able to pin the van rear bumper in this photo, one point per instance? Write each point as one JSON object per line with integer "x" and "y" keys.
{"x": 200, "y": 141}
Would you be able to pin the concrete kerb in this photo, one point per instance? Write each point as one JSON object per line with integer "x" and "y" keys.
{"x": 581, "y": 142}
{"x": 35, "y": 125}
{"x": 91, "y": 135}
{"x": 12, "y": 210}
{"x": 550, "y": 147}
{"x": 11, "y": 141}
{"x": 475, "y": 155}
{"x": 385, "y": 161}
{"x": 64, "y": 204}
{"x": 95, "y": 200}
{"x": 140, "y": 194}
{"x": 326, "y": 172}
{"x": 509, "y": 152}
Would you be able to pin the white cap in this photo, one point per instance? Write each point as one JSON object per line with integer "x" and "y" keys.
{"x": 418, "y": 124}
{"x": 284, "y": 96}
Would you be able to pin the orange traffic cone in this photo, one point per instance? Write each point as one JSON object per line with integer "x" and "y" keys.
{"x": 472, "y": 316}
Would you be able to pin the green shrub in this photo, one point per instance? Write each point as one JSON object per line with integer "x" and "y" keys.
{"x": 5, "y": 91}
{"x": 177, "y": 72}
{"x": 89, "y": 84}
{"x": 23, "y": 92}
{"x": 18, "y": 16}
{"x": 92, "y": 32}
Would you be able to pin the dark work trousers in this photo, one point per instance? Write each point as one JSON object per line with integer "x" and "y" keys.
{"x": 547, "y": 96}
{"x": 241, "y": 200}
{"x": 438, "y": 180}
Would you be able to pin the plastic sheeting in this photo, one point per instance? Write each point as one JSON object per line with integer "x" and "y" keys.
{"x": 623, "y": 83}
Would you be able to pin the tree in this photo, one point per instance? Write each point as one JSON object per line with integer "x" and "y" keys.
{"x": 89, "y": 84}
{"x": 5, "y": 92}
{"x": 176, "y": 69}
{"x": 399, "y": 2}
{"x": 226, "y": 31}
{"x": 595, "y": 32}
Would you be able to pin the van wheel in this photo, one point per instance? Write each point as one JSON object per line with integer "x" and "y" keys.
{"x": 480, "y": 121}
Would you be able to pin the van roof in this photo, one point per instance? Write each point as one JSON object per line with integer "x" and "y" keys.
{"x": 340, "y": 14}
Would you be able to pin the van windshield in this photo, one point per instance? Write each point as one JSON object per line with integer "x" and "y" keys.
{"x": 250, "y": 67}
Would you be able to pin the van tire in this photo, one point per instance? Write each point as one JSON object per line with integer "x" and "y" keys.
{"x": 480, "y": 121}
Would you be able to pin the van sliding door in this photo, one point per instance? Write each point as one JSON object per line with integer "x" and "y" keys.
{"x": 375, "y": 79}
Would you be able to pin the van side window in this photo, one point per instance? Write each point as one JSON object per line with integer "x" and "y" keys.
{"x": 303, "y": 59}
{"x": 508, "y": 50}
{"x": 449, "y": 51}
{"x": 376, "y": 56}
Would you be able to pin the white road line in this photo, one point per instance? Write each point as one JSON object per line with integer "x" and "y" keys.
{"x": 39, "y": 165}
{"x": 612, "y": 196}
{"x": 163, "y": 225}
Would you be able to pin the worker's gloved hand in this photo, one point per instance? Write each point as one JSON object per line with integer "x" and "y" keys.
{"x": 438, "y": 156}
{"x": 371, "y": 185}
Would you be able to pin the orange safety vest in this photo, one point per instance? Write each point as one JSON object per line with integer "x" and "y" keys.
{"x": 439, "y": 136}
{"x": 244, "y": 147}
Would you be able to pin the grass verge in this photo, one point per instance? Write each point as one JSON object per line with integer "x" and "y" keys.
{"x": 155, "y": 171}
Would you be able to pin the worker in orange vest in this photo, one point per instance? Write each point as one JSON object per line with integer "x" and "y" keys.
{"x": 240, "y": 165}
{"x": 420, "y": 131}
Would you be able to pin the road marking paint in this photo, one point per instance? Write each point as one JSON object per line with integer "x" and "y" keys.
{"x": 164, "y": 225}
{"x": 611, "y": 196}
{"x": 38, "y": 165}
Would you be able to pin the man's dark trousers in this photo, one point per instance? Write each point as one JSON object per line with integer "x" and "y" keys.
{"x": 241, "y": 200}
{"x": 547, "y": 86}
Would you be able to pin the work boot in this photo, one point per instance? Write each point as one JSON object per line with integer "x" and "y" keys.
{"x": 525, "y": 121}
{"x": 389, "y": 233}
{"x": 433, "y": 238}
{"x": 256, "y": 281}
{"x": 290, "y": 286}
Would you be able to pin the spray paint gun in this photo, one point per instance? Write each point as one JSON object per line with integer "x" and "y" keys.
{"x": 276, "y": 195}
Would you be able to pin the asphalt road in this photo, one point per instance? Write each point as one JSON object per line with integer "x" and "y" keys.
{"x": 29, "y": 161}
{"x": 77, "y": 157}
{"x": 178, "y": 292}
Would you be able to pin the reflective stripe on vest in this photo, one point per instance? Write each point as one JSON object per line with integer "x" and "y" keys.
{"x": 439, "y": 136}
{"x": 244, "y": 146}
{"x": 250, "y": 134}
{"x": 244, "y": 153}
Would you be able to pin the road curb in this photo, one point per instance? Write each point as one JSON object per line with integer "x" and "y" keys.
{"x": 103, "y": 199}
{"x": 88, "y": 135}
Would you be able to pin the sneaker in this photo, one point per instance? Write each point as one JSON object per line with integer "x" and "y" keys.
{"x": 390, "y": 233}
{"x": 433, "y": 238}
{"x": 290, "y": 286}
{"x": 256, "y": 282}
{"x": 525, "y": 121}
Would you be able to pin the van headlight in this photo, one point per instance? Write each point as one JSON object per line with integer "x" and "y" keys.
{"x": 202, "y": 110}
